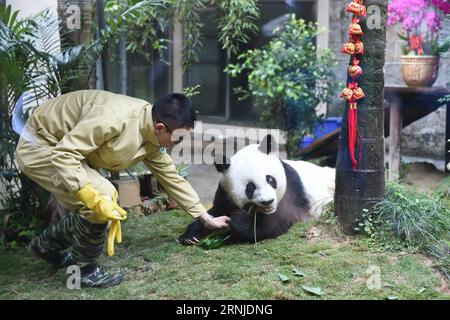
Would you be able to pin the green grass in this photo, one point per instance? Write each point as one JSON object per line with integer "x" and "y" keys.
{"x": 156, "y": 267}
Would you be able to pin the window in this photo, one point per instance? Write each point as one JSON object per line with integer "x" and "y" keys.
{"x": 216, "y": 101}
{"x": 132, "y": 74}
{"x": 147, "y": 80}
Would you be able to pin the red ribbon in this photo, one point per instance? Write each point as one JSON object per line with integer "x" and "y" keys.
{"x": 352, "y": 132}
{"x": 415, "y": 43}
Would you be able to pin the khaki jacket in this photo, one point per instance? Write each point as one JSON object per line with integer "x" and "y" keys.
{"x": 109, "y": 131}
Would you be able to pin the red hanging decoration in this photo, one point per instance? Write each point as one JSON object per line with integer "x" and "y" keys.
{"x": 352, "y": 93}
{"x": 354, "y": 29}
{"x": 355, "y": 70}
{"x": 357, "y": 9}
{"x": 352, "y": 129}
{"x": 351, "y": 48}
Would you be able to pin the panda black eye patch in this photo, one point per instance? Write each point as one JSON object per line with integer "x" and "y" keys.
{"x": 250, "y": 189}
{"x": 272, "y": 181}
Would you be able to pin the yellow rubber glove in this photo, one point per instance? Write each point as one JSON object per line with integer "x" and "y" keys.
{"x": 115, "y": 232}
{"x": 105, "y": 209}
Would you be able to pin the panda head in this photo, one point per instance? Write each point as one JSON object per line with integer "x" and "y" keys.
{"x": 254, "y": 176}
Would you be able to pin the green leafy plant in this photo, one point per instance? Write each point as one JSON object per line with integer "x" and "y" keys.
{"x": 215, "y": 240}
{"x": 22, "y": 213}
{"x": 237, "y": 22}
{"x": 33, "y": 68}
{"x": 142, "y": 23}
{"x": 191, "y": 91}
{"x": 145, "y": 24}
{"x": 289, "y": 78}
{"x": 408, "y": 219}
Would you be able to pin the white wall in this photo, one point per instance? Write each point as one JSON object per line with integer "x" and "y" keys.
{"x": 31, "y": 7}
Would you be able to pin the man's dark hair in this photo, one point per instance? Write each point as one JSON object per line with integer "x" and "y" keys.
{"x": 174, "y": 110}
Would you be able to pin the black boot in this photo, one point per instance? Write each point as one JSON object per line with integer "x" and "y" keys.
{"x": 94, "y": 276}
{"x": 57, "y": 259}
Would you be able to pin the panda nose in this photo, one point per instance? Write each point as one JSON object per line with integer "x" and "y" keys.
{"x": 266, "y": 203}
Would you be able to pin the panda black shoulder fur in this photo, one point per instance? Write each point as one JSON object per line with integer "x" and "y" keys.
{"x": 283, "y": 191}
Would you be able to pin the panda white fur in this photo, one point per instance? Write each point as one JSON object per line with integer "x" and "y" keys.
{"x": 284, "y": 192}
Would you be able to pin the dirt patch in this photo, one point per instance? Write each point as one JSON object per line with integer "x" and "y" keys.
{"x": 323, "y": 232}
{"x": 144, "y": 268}
{"x": 424, "y": 177}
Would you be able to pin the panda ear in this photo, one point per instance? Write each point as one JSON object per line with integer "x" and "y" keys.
{"x": 221, "y": 162}
{"x": 267, "y": 144}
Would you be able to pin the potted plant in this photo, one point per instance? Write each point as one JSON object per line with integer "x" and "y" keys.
{"x": 421, "y": 21}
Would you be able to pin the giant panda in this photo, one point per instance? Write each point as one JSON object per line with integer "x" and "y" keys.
{"x": 284, "y": 192}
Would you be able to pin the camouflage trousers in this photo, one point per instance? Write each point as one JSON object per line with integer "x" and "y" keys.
{"x": 78, "y": 230}
{"x": 73, "y": 230}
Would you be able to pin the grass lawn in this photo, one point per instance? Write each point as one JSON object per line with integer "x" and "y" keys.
{"x": 156, "y": 267}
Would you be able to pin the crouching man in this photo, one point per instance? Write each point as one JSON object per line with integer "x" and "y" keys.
{"x": 70, "y": 136}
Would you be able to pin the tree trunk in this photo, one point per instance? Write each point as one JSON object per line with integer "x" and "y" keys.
{"x": 360, "y": 188}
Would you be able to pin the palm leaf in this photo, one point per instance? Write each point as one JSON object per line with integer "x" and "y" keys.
{"x": 183, "y": 169}
{"x": 45, "y": 33}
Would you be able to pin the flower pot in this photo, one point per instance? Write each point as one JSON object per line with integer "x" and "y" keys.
{"x": 420, "y": 71}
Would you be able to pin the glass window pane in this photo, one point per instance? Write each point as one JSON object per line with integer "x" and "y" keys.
{"x": 208, "y": 71}
{"x": 147, "y": 80}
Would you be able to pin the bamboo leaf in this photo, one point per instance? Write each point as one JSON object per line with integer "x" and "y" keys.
{"x": 283, "y": 277}
{"x": 215, "y": 240}
{"x": 312, "y": 290}
{"x": 298, "y": 273}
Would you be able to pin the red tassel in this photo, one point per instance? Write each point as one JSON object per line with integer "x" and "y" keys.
{"x": 352, "y": 132}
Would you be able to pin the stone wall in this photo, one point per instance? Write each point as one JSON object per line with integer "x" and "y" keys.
{"x": 423, "y": 138}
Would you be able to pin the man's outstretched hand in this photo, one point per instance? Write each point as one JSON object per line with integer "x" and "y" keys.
{"x": 211, "y": 223}
{"x": 214, "y": 223}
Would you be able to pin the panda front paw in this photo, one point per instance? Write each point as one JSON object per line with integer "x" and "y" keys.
{"x": 194, "y": 232}
{"x": 240, "y": 224}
